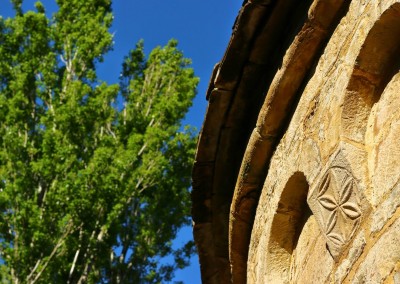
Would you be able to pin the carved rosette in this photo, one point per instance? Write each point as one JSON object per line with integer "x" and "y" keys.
{"x": 336, "y": 203}
{"x": 339, "y": 206}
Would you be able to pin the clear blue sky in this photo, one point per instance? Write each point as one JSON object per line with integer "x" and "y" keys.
{"x": 203, "y": 29}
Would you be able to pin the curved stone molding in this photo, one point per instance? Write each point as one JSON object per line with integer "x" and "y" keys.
{"x": 338, "y": 204}
{"x": 297, "y": 174}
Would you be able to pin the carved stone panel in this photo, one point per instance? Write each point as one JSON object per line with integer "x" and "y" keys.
{"x": 338, "y": 205}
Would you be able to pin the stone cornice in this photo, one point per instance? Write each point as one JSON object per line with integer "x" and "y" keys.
{"x": 251, "y": 97}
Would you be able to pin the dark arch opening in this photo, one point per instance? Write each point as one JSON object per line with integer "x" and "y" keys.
{"x": 291, "y": 215}
{"x": 377, "y": 62}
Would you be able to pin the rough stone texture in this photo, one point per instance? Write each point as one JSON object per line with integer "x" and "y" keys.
{"x": 297, "y": 174}
{"x": 354, "y": 253}
{"x": 338, "y": 203}
{"x": 381, "y": 258}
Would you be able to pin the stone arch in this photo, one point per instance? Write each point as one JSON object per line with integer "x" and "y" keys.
{"x": 291, "y": 215}
{"x": 377, "y": 62}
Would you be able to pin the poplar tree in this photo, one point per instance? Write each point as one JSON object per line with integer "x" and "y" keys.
{"x": 94, "y": 177}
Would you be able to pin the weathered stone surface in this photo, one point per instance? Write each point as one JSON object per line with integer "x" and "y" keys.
{"x": 382, "y": 140}
{"x": 382, "y": 258}
{"x": 385, "y": 210}
{"x": 303, "y": 152}
{"x": 354, "y": 253}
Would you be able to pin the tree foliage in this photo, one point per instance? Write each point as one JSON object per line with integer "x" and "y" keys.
{"x": 94, "y": 177}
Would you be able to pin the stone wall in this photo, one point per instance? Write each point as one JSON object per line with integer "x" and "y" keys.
{"x": 316, "y": 198}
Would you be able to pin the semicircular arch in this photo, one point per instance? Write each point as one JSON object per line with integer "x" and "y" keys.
{"x": 291, "y": 220}
{"x": 377, "y": 62}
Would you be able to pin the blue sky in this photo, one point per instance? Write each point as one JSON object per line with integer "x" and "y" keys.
{"x": 203, "y": 29}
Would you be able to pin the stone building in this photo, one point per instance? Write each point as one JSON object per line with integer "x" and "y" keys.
{"x": 297, "y": 172}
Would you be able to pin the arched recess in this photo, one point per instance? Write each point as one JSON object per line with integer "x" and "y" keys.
{"x": 370, "y": 107}
{"x": 291, "y": 217}
{"x": 377, "y": 62}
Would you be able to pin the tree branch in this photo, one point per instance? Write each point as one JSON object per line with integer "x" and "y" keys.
{"x": 73, "y": 265}
{"x": 59, "y": 243}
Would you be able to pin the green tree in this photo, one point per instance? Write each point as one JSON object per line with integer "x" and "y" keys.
{"x": 94, "y": 177}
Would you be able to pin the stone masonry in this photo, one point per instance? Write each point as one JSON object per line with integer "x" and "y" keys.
{"x": 297, "y": 171}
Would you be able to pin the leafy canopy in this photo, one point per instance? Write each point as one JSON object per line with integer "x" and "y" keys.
{"x": 94, "y": 177}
